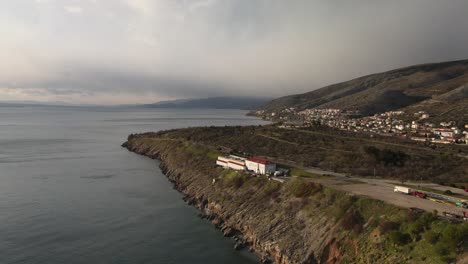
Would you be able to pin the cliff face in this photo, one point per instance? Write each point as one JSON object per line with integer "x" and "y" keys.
{"x": 272, "y": 229}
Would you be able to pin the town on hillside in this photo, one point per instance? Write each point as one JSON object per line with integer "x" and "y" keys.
{"x": 385, "y": 124}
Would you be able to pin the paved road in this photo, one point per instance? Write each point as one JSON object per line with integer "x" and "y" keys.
{"x": 444, "y": 188}
{"x": 382, "y": 190}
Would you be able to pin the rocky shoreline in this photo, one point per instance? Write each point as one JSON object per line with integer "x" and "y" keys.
{"x": 208, "y": 211}
{"x": 323, "y": 250}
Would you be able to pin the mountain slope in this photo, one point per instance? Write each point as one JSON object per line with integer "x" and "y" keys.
{"x": 419, "y": 87}
{"x": 213, "y": 102}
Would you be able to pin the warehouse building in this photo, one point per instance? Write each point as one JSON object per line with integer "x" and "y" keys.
{"x": 231, "y": 162}
{"x": 260, "y": 165}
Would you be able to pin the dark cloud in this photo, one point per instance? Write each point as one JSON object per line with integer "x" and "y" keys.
{"x": 199, "y": 48}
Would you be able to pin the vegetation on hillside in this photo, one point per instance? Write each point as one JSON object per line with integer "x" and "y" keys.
{"x": 363, "y": 229}
{"x": 332, "y": 150}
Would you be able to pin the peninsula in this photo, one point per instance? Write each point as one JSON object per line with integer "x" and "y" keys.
{"x": 311, "y": 216}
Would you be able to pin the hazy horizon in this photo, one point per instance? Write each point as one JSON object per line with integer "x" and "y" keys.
{"x": 142, "y": 51}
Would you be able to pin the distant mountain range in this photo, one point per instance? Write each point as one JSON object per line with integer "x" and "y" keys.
{"x": 440, "y": 89}
{"x": 246, "y": 103}
{"x": 32, "y": 103}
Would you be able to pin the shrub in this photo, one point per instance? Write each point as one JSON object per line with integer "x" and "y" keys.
{"x": 352, "y": 220}
{"x": 387, "y": 226}
{"x": 238, "y": 181}
{"x": 342, "y": 205}
{"x": 271, "y": 188}
{"x": 442, "y": 249}
{"x": 426, "y": 219}
{"x": 212, "y": 155}
{"x": 399, "y": 238}
{"x": 454, "y": 234}
{"x": 421, "y": 223}
{"x": 372, "y": 151}
{"x": 301, "y": 188}
{"x": 412, "y": 216}
{"x": 431, "y": 237}
{"x": 233, "y": 179}
{"x": 387, "y": 156}
{"x": 448, "y": 192}
{"x": 415, "y": 229}
{"x": 358, "y": 228}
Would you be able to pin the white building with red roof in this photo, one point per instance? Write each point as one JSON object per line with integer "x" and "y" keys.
{"x": 260, "y": 165}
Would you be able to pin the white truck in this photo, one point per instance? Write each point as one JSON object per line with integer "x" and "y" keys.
{"x": 402, "y": 189}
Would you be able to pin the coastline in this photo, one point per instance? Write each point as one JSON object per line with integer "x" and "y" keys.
{"x": 246, "y": 236}
{"x": 208, "y": 211}
{"x": 296, "y": 222}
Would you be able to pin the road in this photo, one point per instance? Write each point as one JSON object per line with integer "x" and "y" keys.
{"x": 382, "y": 189}
{"x": 379, "y": 188}
{"x": 444, "y": 188}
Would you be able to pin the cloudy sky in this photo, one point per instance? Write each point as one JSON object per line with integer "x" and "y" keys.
{"x": 127, "y": 51}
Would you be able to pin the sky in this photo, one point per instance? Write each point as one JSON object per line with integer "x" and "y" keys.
{"x": 142, "y": 51}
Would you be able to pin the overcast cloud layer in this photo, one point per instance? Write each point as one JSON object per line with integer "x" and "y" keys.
{"x": 127, "y": 51}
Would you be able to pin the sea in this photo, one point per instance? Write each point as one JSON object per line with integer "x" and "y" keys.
{"x": 69, "y": 193}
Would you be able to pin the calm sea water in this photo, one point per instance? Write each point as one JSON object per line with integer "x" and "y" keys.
{"x": 70, "y": 194}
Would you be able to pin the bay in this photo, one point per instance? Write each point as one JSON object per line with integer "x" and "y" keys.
{"x": 70, "y": 194}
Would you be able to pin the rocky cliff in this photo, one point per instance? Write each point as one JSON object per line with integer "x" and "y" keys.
{"x": 295, "y": 222}
{"x": 256, "y": 223}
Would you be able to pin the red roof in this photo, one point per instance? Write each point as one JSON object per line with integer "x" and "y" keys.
{"x": 258, "y": 160}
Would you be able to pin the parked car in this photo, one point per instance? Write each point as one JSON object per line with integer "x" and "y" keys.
{"x": 462, "y": 204}
{"x": 278, "y": 173}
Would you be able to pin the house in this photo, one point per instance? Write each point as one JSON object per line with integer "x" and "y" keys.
{"x": 444, "y": 132}
{"x": 293, "y": 124}
{"x": 422, "y": 139}
{"x": 260, "y": 165}
{"x": 441, "y": 141}
{"x": 447, "y": 124}
{"x": 400, "y": 127}
{"x": 456, "y": 130}
{"x": 232, "y": 162}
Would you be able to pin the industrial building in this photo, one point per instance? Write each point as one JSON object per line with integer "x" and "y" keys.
{"x": 232, "y": 162}
{"x": 255, "y": 164}
{"x": 260, "y": 165}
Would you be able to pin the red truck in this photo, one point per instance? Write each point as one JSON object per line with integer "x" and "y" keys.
{"x": 419, "y": 194}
